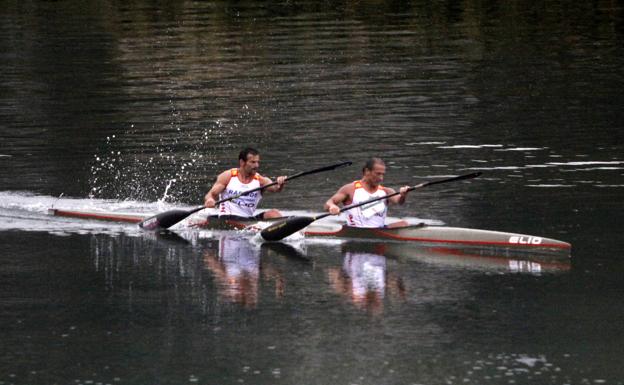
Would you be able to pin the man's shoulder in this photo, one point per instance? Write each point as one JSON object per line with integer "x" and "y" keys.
{"x": 388, "y": 190}
{"x": 350, "y": 187}
{"x": 264, "y": 180}
{"x": 228, "y": 174}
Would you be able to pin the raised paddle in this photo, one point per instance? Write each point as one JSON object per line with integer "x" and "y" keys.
{"x": 282, "y": 229}
{"x": 171, "y": 217}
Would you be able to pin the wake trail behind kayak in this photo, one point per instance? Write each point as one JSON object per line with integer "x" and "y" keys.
{"x": 26, "y": 211}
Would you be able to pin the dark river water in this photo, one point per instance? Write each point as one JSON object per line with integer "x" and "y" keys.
{"x": 137, "y": 106}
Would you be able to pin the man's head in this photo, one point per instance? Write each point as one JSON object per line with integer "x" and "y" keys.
{"x": 373, "y": 171}
{"x": 249, "y": 160}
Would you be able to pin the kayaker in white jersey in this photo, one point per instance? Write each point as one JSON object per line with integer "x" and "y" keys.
{"x": 373, "y": 215}
{"x": 237, "y": 180}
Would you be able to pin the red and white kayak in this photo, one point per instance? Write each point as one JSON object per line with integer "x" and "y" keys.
{"x": 446, "y": 236}
{"x": 422, "y": 235}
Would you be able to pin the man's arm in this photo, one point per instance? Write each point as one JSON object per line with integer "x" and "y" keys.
{"x": 217, "y": 188}
{"x": 281, "y": 180}
{"x": 397, "y": 199}
{"x": 340, "y": 197}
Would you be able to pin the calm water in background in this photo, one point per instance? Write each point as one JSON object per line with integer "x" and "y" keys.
{"x": 123, "y": 105}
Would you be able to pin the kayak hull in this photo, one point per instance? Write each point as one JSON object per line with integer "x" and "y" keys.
{"x": 449, "y": 237}
{"x": 422, "y": 235}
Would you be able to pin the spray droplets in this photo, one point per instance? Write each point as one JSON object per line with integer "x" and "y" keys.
{"x": 162, "y": 165}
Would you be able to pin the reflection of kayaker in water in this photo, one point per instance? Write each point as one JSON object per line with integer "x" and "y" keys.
{"x": 237, "y": 271}
{"x": 363, "y": 279}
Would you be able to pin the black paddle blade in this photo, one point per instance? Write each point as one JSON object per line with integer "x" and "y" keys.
{"x": 282, "y": 229}
{"x": 164, "y": 220}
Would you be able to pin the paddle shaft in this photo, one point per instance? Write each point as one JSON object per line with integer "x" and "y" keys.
{"x": 170, "y": 218}
{"x": 349, "y": 207}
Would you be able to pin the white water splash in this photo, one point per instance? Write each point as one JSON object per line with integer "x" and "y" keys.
{"x": 531, "y": 361}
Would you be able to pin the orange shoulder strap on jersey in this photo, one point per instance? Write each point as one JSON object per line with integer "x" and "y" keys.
{"x": 234, "y": 172}
{"x": 358, "y": 184}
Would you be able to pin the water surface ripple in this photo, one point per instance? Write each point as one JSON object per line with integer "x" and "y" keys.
{"x": 137, "y": 106}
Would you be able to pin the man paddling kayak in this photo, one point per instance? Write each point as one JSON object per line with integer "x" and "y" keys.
{"x": 374, "y": 214}
{"x": 238, "y": 180}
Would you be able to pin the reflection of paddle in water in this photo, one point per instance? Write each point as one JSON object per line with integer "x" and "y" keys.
{"x": 166, "y": 237}
{"x": 285, "y": 250}
{"x": 364, "y": 280}
{"x": 237, "y": 271}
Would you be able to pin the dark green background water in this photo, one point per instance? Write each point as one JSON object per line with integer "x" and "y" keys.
{"x": 143, "y": 101}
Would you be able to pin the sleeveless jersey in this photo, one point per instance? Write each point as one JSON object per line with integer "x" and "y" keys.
{"x": 371, "y": 215}
{"x": 242, "y": 206}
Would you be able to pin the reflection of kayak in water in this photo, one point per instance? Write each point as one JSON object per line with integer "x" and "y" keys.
{"x": 418, "y": 235}
{"x": 465, "y": 258}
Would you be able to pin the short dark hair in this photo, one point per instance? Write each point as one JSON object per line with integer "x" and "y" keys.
{"x": 370, "y": 163}
{"x": 247, "y": 151}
